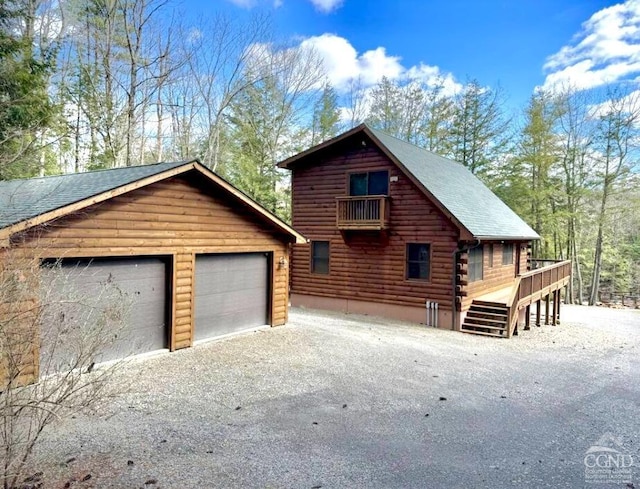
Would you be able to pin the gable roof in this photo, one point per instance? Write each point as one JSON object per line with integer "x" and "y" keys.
{"x": 30, "y": 202}
{"x": 450, "y": 185}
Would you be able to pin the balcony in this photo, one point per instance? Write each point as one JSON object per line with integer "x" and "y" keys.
{"x": 362, "y": 213}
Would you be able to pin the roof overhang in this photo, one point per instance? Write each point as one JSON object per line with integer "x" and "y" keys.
{"x": 507, "y": 238}
{"x": 193, "y": 165}
{"x": 289, "y": 162}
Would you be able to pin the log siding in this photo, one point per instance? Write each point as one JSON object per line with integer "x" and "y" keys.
{"x": 177, "y": 218}
{"x": 369, "y": 265}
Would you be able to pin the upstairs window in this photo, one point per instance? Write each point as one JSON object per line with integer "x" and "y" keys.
{"x": 320, "y": 257}
{"x": 507, "y": 254}
{"x": 370, "y": 183}
{"x": 475, "y": 264}
{"x": 418, "y": 261}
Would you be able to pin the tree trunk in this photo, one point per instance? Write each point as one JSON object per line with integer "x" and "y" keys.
{"x": 597, "y": 259}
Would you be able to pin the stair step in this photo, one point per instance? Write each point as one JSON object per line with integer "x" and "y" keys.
{"x": 482, "y": 333}
{"x": 494, "y": 309}
{"x": 484, "y": 326}
{"x": 489, "y": 303}
{"x": 486, "y": 315}
{"x": 475, "y": 320}
{"x": 493, "y": 325}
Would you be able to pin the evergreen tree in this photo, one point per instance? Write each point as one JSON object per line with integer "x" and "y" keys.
{"x": 25, "y": 107}
{"x": 326, "y": 116}
{"x": 479, "y": 132}
{"x": 537, "y": 155}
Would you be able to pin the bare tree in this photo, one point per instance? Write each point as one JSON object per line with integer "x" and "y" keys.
{"x": 576, "y": 139}
{"x": 617, "y": 139}
{"x": 220, "y": 51}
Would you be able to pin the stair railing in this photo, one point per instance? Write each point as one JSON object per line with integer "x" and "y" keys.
{"x": 533, "y": 282}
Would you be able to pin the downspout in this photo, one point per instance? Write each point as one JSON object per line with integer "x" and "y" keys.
{"x": 456, "y": 252}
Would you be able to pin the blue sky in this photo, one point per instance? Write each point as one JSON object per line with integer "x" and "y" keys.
{"x": 519, "y": 44}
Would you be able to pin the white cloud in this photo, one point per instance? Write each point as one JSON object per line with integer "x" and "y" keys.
{"x": 244, "y": 3}
{"x": 344, "y": 64}
{"x": 326, "y": 6}
{"x": 607, "y": 49}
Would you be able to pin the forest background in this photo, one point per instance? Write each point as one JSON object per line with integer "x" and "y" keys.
{"x": 97, "y": 84}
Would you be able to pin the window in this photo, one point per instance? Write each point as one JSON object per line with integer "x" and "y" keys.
{"x": 371, "y": 183}
{"x": 490, "y": 256}
{"x": 320, "y": 257}
{"x": 475, "y": 264}
{"x": 507, "y": 254}
{"x": 418, "y": 258}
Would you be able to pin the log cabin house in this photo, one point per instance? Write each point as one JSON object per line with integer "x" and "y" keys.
{"x": 398, "y": 231}
{"x": 199, "y": 257}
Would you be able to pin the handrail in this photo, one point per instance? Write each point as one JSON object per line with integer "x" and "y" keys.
{"x": 543, "y": 262}
{"x": 362, "y": 197}
{"x": 362, "y": 212}
{"x": 532, "y": 282}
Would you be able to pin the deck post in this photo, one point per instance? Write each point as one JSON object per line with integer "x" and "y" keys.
{"x": 546, "y": 309}
{"x": 555, "y": 306}
{"x": 538, "y": 312}
{"x": 527, "y": 317}
{"x": 558, "y": 310}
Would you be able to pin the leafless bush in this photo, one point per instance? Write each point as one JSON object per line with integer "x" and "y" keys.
{"x": 51, "y": 336}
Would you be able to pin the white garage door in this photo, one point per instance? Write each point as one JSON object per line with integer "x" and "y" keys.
{"x": 231, "y": 293}
{"x": 85, "y": 289}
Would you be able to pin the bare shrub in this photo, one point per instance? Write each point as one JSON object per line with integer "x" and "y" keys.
{"x": 51, "y": 337}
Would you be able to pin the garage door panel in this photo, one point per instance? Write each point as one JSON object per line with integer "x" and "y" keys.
{"x": 235, "y": 279}
{"x": 231, "y": 293}
{"x": 238, "y": 299}
{"x": 141, "y": 283}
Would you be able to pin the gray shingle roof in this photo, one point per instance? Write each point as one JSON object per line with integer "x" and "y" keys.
{"x": 469, "y": 200}
{"x": 24, "y": 199}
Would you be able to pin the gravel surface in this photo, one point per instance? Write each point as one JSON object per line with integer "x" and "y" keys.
{"x": 337, "y": 401}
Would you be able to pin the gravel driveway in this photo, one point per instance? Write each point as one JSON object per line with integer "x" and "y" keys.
{"x": 335, "y": 401}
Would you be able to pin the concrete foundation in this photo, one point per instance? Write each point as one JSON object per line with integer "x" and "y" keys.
{"x": 410, "y": 314}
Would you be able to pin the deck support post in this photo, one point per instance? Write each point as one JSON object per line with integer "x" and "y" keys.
{"x": 559, "y": 302}
{"x": 527, "y": 317}
{"x": 555, "y": 306}
{"x": 538, "y": 312}
{"x": 546, "y": 309}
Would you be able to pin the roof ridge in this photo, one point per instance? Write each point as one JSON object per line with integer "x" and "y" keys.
{"x": 100, "y": 170}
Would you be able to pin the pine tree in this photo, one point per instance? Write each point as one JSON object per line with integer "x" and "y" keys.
{"x": 326, "y": 116}
{"x": 25, "y": 107}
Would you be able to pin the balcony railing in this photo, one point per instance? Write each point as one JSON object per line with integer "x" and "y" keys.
{"x": 365, "y": 212}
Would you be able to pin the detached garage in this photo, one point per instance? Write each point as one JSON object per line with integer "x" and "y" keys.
{"x": 197, "y": 257}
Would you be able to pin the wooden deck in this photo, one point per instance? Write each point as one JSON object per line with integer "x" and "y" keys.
{"x": 496, "y": 313}
{"x": 498, "y": 296}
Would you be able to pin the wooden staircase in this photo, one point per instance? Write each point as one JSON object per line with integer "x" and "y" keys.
{"x": 486, "y": 318}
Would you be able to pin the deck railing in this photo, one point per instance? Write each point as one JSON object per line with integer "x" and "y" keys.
{"x": 370, "y": 212}
{"x": 536, "y": 284}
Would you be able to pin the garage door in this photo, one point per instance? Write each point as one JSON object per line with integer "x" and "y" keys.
{"x": 84, "y": 289}
{"x": 231, "y": 293}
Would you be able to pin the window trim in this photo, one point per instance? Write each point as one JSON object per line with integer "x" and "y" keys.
{"x": 478, "y": 249}
{"x": 355, "y": 172}
{"x": 505, "y": 255}
{"x": 312, "y": 257}
{"x": 406, "y": 262}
